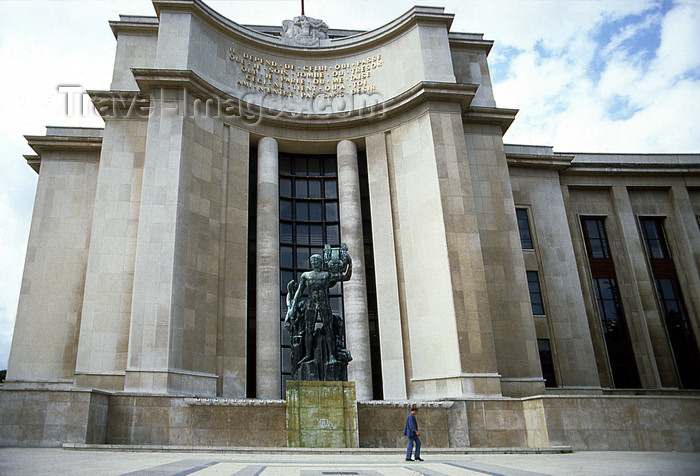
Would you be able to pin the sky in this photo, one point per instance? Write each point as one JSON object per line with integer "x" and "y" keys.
{"x": 586, "y": 75}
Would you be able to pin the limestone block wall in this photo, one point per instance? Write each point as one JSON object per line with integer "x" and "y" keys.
{"x": 41, "y": 417}
{"x": 511, "y": 315}
{"x": 135, "y": 49}
{"x": 106, "y": 306}
{"x": 441, "y": 424}
{"x": 188, "y": 313}
{"x": 565, "y": 322}
{"x": 505, "y": 423}
{"x": 172, "y": 420}
{"x": 471, "y": 67}
{"x": 45, "y": 339}
{"x": 624, "y": 423}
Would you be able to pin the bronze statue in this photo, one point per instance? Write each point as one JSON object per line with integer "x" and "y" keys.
{"x": 318, "y": 354}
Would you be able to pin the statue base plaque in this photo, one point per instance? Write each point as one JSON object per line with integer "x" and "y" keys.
{"x": 321, "y": 415}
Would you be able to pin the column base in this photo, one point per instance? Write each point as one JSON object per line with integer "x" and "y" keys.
{"x": 460, "y": 386}
{"x": 179, "y": 382}
{"x": 101, "y": 381}
{"x": 522, "y": 387}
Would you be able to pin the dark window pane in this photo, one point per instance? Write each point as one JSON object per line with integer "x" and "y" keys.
{"x": 303, "y": 258}
{"x": 332, "y": 235}
{"x": 595, "y": 237}
{"x": 286, "y": 342}
{"x": 533, "y": 283}
{"x": 285, "y": 187}
{"x": 524, "y": 228}
{"x": 300, "y": 188}
{"x": 316, "y": 232}
{"x": 331, "y": 211}
{"x": 300, "y": 166}
{"x": 286, "y": 357}
{"x": 596, "y": 247}
{"x": 330, "y": 187}
{"x": 315, "y": 189}
{"x": 314, "y": 167}
{"x": 547, "y": 363}
{"x": 286, "y": 260}
{"x": 302, "y": 211}
{"x": 286, "y": 233}
{"x": 315, "y": 211}
{"x": 285, "y": 210}
{"x": 336, "y": 305}
{"x": 285, "y": 277}
{"x": 330, "y": 166}
{"x": 303, "y": 234}
{"x": 285, "y": 165}
{"x": 654, "y": 238}
{"x": 592, "y": 228}
{"x": 316, "y": 251}
{"x": 335, "y": 290}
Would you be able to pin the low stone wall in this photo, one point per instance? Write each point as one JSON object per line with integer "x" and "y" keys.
{"x": 51, "y": 417}
{"x": 441, "y": 424}
{"x": 639, "y": 423}
{"x": 43, "y": 417}
{"x": 165, "y": 420}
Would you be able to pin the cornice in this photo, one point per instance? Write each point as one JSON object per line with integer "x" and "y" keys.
{"x": 51, "y": 143}
{"x": 115, "y": 104}
{"x": 490, "y": 115}
{"x": 554, "y": 162}
{"x": 601, "y": 168}
{"x": 334, "y": 46}
{"x": 42, "y": 144}
{"x": 135, "y": 25}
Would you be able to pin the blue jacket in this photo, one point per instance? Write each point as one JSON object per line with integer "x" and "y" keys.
{"x": 411, "y": 426}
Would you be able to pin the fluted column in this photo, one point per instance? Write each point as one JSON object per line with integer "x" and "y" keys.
{"x": 267, "y": 279}
{"x": 354, "y": 290}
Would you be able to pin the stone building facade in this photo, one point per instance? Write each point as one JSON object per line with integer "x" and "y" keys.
{"x": 542, "y": 288}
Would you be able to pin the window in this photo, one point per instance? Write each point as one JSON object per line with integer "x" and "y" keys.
{"x": 533, "y": 283}
{"x": 668, "y": 291}
{"x": 612, "y": 317}
{"x": 524, "y": 228}
{"x": 547, "y": 363}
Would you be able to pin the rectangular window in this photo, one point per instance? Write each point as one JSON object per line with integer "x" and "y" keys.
{"x": 524, "y": 228}
{"x": 533, "y": 283}
{"x": 612, "y": 318}
{"x": 547, "y": 363}
{"x": 668, "y": 291}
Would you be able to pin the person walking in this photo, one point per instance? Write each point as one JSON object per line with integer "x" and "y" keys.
{"x": 411, "y": 431}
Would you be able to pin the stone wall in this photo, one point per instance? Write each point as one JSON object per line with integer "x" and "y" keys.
{"x": 441, "y": 424}
{"x": 43, "y": 417}
{"x": 635, "y": 423}
{"x": 167, "y": 420}
{"x": 52, "y": 417}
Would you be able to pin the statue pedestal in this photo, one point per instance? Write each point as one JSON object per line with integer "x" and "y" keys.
{"x": 321, "y": 415}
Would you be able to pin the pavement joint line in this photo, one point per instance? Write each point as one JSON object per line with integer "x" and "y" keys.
{"x": 319, "y": 451}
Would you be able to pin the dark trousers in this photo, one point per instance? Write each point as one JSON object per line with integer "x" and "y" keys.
{"x": 413, "y": 439}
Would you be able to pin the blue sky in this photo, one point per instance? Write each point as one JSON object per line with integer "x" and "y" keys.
{"x": 587, "y": 75}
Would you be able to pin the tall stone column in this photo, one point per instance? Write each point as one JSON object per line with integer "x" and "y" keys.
{"x": 267, "y": 279}
{"x": 354, "y": 290}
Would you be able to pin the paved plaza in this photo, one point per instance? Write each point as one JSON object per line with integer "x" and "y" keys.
{"x": 56, "y": 461}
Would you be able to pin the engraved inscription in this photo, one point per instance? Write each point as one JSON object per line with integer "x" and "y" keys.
{"x": 305, "y": 81}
